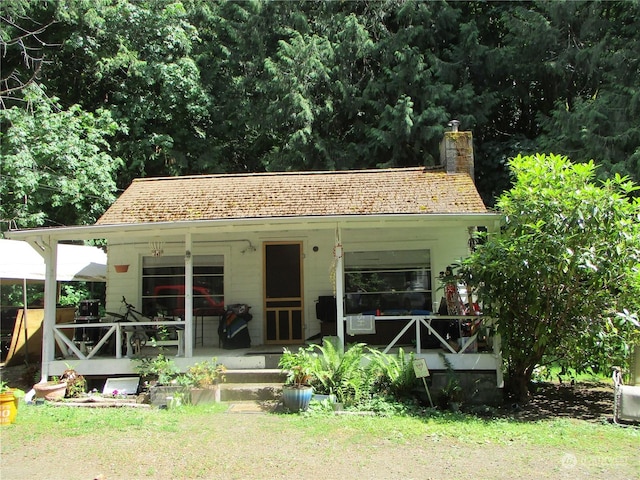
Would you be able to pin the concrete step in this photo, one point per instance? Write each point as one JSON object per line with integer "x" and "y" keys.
{"x": 258, "y": 384}
{"x": 255, "y": 375}
{"x": 234, "y": 392}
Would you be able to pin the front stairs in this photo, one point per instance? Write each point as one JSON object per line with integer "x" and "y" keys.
{"x": 259, "y": 384}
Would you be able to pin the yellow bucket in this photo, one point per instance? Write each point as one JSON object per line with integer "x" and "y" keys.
{"x": 8, "y": 408}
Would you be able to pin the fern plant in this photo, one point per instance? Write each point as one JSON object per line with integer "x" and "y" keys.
{"x": 345, "y": 374}
{"x": 397, "y": 377}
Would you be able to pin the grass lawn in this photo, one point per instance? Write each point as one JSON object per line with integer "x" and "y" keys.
{"x": 55, "y": 442}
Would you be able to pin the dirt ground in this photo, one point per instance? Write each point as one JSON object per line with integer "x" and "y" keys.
{"x": 245, "y": 445}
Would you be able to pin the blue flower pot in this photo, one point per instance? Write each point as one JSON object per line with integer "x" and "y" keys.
{"x": 296, "y": 399}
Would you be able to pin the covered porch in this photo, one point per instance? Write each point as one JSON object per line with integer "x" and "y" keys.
{"x": 322, "y": 247}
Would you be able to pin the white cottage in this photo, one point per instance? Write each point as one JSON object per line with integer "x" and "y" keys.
{"x": 286, "y": 244}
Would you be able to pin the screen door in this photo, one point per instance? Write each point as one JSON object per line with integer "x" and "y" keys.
{"x": 283, "y": 293}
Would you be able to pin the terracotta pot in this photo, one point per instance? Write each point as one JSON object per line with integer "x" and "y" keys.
{"x": 121, "y": 268}
{"x": 50, "y": 391}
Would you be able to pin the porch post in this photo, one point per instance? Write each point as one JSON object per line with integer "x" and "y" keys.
{"x": 188, "y": 296}
{"x": 339, "y": 280}
{"x": 49, "y": 251}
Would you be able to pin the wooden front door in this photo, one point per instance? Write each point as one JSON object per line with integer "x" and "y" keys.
{"x": 284, "y": 319}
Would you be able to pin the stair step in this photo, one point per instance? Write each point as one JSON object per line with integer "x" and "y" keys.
{"x": 230, "y": 392}
{"x": 259, "y": 375}
{"x": 255, "y": 384}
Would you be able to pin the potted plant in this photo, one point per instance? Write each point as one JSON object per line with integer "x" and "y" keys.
{"x": 52, "y": 390}
{"x": 203, "y": 380}
{"x": 9, "y": 400}
{"x": 297, "y": 391}
{"x": 76, "y": 383}
{"x": 160, "y": 377}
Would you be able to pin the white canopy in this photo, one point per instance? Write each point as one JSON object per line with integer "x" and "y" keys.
{"x": 18, "y": 260}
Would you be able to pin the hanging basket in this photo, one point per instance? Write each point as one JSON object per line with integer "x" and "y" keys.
{"x": 121, "y": 268}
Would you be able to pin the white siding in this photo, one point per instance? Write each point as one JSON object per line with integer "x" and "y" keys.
{"x": 244, "y": 267}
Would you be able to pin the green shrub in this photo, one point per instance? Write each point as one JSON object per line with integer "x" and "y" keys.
{"x": 397, "y": 376}
{"x": 346, "y": 374}
{"x": 158, "y": 369}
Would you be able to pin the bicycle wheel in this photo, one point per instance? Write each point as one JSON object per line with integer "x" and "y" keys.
{"x": 138, "y": 339}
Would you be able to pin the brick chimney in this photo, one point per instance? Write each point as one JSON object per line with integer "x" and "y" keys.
{"x": 456, "y": 151}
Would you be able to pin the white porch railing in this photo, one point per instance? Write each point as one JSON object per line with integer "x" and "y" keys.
{"x": 106, "y": 330}
{"x": 417, "y": 321}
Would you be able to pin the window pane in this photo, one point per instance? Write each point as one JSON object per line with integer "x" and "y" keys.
{"x": 393, "y": 282}
{"x": 163, "y": 281}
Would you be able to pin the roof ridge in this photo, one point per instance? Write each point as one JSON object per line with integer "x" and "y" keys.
{"x": 289, "y": 173}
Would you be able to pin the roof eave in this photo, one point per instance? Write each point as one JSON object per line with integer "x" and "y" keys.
{"x": 86, "y": 232}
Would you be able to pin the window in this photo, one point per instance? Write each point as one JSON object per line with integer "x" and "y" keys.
{"x": 163, "y": 285}
{"x": 394, "y": 282}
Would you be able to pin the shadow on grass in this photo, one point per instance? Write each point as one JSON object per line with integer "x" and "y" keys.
{"x": 591, "y": 402}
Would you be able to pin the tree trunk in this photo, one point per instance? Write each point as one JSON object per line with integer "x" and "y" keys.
{"x": 519, "y": 387}
{"x": 520, "y": 373}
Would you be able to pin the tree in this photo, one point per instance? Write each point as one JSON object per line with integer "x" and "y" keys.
{"x": 229, "y": 86}
{"x": 135, "y": 59}
{"x": 596, "y": 101}
{"x": 56, "y": 164}
{"x": 25, "y": 39}
{"x": 563, "y": 267}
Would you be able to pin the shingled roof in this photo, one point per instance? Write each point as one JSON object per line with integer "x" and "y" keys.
{"x": 290, "y": 194}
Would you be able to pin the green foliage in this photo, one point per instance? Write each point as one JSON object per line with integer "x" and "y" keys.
{"x": 27, "y": 38}
{"x": 298, "y": 365}
{"x": 56, "y": 166}
{"x": 205, "y": 87}
{"x": 355, "y": 376}
{"x": 70, "y": 294}
{"x": 452, "y": 394}
{"x": 397, "y": 376}
{"x": 595, "y": 113}
{"x": 76, "y": 383}
{"x": 12, "y": 295}
{"x": 158, "y": 369}
{"x": 205, "y": 374}
{"x": 140, "y": 68}
{"x": 565, "y": 262}
{"x": 348, "y": 374}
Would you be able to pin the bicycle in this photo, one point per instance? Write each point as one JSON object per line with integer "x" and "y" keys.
{"x": 138, "y": 337}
